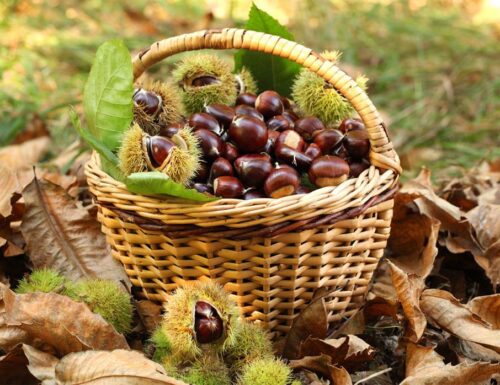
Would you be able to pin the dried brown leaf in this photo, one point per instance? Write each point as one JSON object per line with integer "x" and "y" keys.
{"x": 150, "y": 314}
{"x": 446, "y": 312}
{"x": 63, "y": 236}
{"x": 10, "y": 185}
{"x": 426, "y": 367}
{"x": 66, "y": 325}
{"x": 41, "y": 365}
{"x": 119, "y": 367}
{"x": 322, "y": 365}
{"x": 24, "y": 155}
{"x": 312, "y": 321}
{"x": 408, "y": 288}
{"x": 14, "y": 370}
{"x": 472, "y": 351}
{"x": 488, "y": 308}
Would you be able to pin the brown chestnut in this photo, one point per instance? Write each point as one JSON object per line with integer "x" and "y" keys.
{"x": 249, "y": 134}
{"x": 170, "y": 130}
{"x": 228, "y": 187}
{"x": 290, "y": 116}
{"x": 204, "y": 80}
{"x": 149, "y": 102}
{"x": 253, "y": 169}
{"x": 211, "y": 145}
{"x": 202, "y": 188}
{"x": 357, "y": 143}
{"x": 269, "y": 104}
{"x": 243, "y": 109}
{"x": 328, "y": 170}
{"x": 313, "y": 151}
{"x": 307, "y": 126}
{"x": 279, "y": 123}
{"x": 328, "y": 140}
{"x": 208, "y": 324}
{"x": 286, "y": 102}
{"x": 351, "y": 125}
{"x": 202, "y": 173}
{"x": 224, "y": 114}
{"x": 292, "y": 157}
{"x": 158, "y": 148}
{"x": 220, "y": 167}
{"x": 254, "y": 194}
{"x": 291, "y": 139}
{"x": 246, "y": 98}
{"x": 356, "y": 167}
{"x": 271, "y": 141}
{"x": 206, "y": 121}
{"x": 340, "y": 151}
{"x": 281, "y": 182}
{"x": 231, "y": 152}
{"x": 303, "y": 190}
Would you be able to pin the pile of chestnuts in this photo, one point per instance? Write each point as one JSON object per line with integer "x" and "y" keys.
{"x": 261, "y": 148}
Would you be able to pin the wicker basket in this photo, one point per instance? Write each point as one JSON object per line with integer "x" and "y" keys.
{"x": 270, "y": 254}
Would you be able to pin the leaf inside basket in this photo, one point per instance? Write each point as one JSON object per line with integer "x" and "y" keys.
{"x": 271, "y": 72}
{"x": 155, "y": 182}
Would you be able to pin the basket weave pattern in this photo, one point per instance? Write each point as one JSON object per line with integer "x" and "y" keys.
{"x": 272, "y": 255}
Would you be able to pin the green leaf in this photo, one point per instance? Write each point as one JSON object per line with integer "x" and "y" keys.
{"x": 109, "y": 161}
{"x": 155, "y": 182}
{"x": 107, "y": 98}
{"x": 271, "y": 72}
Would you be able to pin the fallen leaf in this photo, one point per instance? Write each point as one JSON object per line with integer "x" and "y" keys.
{"x": 408, "y": 288}
{"x": 446, "y": 312}
{"x": 124, "y": 367}
{"x": 150, "y": 314}
{"x": 64, "y": 237}
{"x": 322, "y": 365}
{"x": 311, "y": 322}
{"x": 340, "y": 376}
{"x": 472, "y": 351}
{"x": 10, "y": 185}
{"x": 425, "y": 367}
{"x": 41, "y": 365}
{"x": 373, "y": 377}
{"x": 14, "y": 370}
{"x": 488, "y": 308}
{"x": 57, "y": 320}
{"x": 24, "y": 155}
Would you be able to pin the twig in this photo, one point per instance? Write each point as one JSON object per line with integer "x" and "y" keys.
{"x": 373, "y": 376}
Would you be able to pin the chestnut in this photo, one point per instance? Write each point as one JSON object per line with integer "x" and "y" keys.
{"x": 249, "y": 134}
{"x": 271, "y": 141}
{"x": 303, "y": 190}
{"x": 243, "y": 109}
{"x": 253, "y": 169}
{"x": 231, "y": 152}
{"x": 202, "y": 188}
{"x": 228, "y": 187}
{"x": 307, "y": 126}
{"x": 211, "y": 145}
{"x": 286, "y": 102}
{"x": 292, "y": 157}
{"x": 290, "y": 116}
{"x": 204, "y": 80}
{"x": 357, "y": 143}
{"x": 328, "y": 140}
{"x": 351, "y": 125}
{"x": 149, "y": 102}
{"x": 246, "y": 98}
{"x": 170, "y": 130}
{"x": 224, "y": 114}
{"x": 340, "y": 151}
{"x": 269, "y": 104}
{"x": 291, "y": 139}
{"x": 158, "y": 148}
{"x": 202, "y": 174}
{"x": 279, "y": 123}
{"x": 220, "y": 167}
{"x": 208, "y": 324}
{"x": 328, "y": 170}
{"x": 281, "y": 182}
{"x": 356, "y": 167}
{"x": 254, "y": 194}
{"x": 313, "y": 151}
{"x": 206, "y": 121}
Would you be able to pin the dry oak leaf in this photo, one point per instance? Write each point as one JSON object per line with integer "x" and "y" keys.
{"x": 488, "y": 308}
{"x": 118, "y": 367}
{"x": 41, "y": 365}
{"x": 150, "y": 313}
{"x": 408, "y": 288}
{"x": 63, "y": 236}
{"x": 66, "y": 325}
{"x": 445, "y": 311}
{"x": 425, "y": 367}
{"x": 24, "y": 155}
{"x": 322, "y": 365}
{"x": 13, "y": 368}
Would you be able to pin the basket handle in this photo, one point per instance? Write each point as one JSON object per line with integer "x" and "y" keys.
{"x": 382, "y": 153}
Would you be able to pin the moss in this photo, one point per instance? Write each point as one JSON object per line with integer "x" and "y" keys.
{"x": 107, "y": 299}
{"x": 45, "y": 281}
{"x": 194, "y": 97}
{"x": 316, "y": 97}
{"x": 266, "y": 371}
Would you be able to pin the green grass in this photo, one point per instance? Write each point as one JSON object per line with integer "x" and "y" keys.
{"x": 433, "y": 71}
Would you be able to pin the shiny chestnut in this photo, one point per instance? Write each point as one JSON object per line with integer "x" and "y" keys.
{"x": 220, "y": 167}
{"x": 158, "y": 148}
{"x": 204, "y": 80}
{"x": 269, "y": 104}
{"x": 253, "y": 169}
{"x": 356, "y": 167}
{"x": 313, "y": 151}
{"x": 254, "y": 194}
{"x": 224, "y": 114}
{"x": 281, "y": 182}
{"x": 271, "y": 141}
{"x": 202, "y": 173}
{"x": 231, "y": 152}
{"x": 328, "y": 170}
{"x": 211, "y": 145}
{"x": 149, "y": 102}
{"x": 295, "y": 158}
{"x": 279, "y": 123}
{"x": 228, "y": 187}
{"x": 303, "y": 190}
{"x": 208, "y": 324}
{"x": 291, "y": 139}
{"x": 202, "y": 188}
{"x": 357, "y": 143}
{"x": 206, "y": 121}
{"x": 170, "y": 130}
{"x": 248, "y": 134}
{"x": 243, "y": 109}
{"x": 307, "y": 126}
{"x": 351, "y": 125}
{"x": 328, "y": 140}
{"x": 247, "y": 99}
